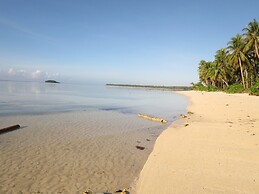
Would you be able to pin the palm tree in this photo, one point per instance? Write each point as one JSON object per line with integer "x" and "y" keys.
{"x": 251, "y": 48}
{"x": 238, "y": 63}
{"x": 205, "y": 72}
{"x": 221, "y": 59}
{"x": 202, "y": 69}
{"x": 237, "y": 56}
{"x": 252, "y": 37}
{"x": 213, "y": 72}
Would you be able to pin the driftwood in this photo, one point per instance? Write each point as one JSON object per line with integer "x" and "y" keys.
{"x": 140, "y": 147}
{"x": 124, "y": 191}
{"x": 152, "y": 118}
{"x": 8, "y": 129}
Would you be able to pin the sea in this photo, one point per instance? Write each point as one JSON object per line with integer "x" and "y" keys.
{"x": 30, "y": 98}
{"x": 78, "y": 137}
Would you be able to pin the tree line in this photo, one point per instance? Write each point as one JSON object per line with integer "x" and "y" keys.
{"x": 237, "y": 65}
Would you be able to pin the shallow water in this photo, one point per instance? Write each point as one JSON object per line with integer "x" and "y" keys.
{"x": 78, "y": 137}
{"x": 74, "y": 151}
{"x": 40, "y": 98}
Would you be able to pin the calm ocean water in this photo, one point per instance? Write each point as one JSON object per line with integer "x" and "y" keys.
{"x": 94, "y": 141}
{"x": 18, "y": 98}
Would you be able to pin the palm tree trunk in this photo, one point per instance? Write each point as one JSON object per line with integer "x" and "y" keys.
{"x": 241, "y": 70}
{"x": 246, "y": 79}
{"x": 255, "y": 75}
{"x": 224, "y": 81}
{"x": 251, "y": 80}
{"x": 256, "y": 49}
{"x": 206, "y": 82}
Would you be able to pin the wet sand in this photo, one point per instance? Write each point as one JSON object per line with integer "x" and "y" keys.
{"x": 74, "y": 152}
{"x": 214, "y": 150}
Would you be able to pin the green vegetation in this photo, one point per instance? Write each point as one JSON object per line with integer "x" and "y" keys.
{"x": 175, "y": 88}
{"x": 208, "y": 88}
{"x": 254, "y": 90}
{"x": 236, "y": 67}
{"x": 235, "y": 88}
{"x": 199, "y": 86}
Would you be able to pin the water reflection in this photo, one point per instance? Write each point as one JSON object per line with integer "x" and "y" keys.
{"x": 37, "y": 98}
{"x": 25, "y": 87}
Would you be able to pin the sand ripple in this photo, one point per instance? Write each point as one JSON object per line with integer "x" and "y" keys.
{"x": 73, "y": 152}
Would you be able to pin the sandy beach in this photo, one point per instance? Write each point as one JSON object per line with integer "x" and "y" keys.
{"x": 74, "y": 152}
{"x": 213, "y": 150}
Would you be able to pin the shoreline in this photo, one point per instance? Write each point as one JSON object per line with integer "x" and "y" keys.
{"x": 214, "y": 150}
{"x": 74, "y": 152}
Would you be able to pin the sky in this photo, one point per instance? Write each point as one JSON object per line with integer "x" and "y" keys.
{"x": 156, "y": 42}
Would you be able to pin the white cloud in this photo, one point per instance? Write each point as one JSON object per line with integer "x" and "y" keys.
{"x": 22, "y": 74}
{"x": 36, "y": 74}
{"x": 11, "y": 72}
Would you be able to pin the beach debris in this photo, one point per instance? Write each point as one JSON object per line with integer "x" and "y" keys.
{"x": 152, "y": 118}
{"x": 123, "y": 191}
{"x": 229, "y": 122}
{"x": 190, "y": 113}
{"x": 183, "y": 116}
{"x": 148, "y": 139}
{"x": 87, "y": 192}
{"x": 186, "y": 124}
{"x": 140, "y": 147}
{"x": 8, "y": 129}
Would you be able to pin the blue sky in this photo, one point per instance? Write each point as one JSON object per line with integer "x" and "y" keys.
{"x": 116, "y": 41}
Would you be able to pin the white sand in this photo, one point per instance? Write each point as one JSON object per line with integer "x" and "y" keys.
{"x": 73, "y": 152}
{"x": 218, "y": 152}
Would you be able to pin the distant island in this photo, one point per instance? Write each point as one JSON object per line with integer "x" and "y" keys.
{"x": 52, "y": 81}
{"x": 175, "y": 88}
